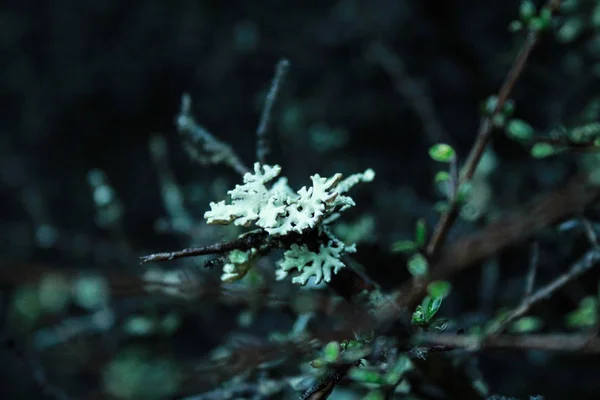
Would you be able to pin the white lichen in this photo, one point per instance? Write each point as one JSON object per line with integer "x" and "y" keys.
{"x": 279, "y": 211}
{"x": 319, "y": 265}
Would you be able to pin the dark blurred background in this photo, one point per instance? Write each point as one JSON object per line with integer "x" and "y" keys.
{"x": 84, "y": 86}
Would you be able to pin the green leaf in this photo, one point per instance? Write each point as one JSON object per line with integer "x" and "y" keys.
{"x": 489, "y": 105}
{"x": 418, "y": 318}
{"x": 585, "y": 133}
{"x": 546, "y": 16}
{"x": 499, "y": 120}
{"x": 404, "y": 246}
{"x": 332, "y": 351}
{"x": 351, "y": 345}
{"x": 518, "y": 129}
{"x": 527, "y": 10}
{"x": 439, "y": 289}
{"x": 571, "y": 29}
{"x": 464, "y": 191}
{"x": 515, "y": 26}
{"x": 433, "y": 305}
{"x": 442, "y": 152}
{"x": 420, "y": 232}
{"x": 365, "y": 376}
{"x": 542, "y": 150}
{"x": 508, "y": 108}
{"x": 395, "y": 372}
{"x": 526, "y": 325}
{"x": 441, "y": 207}
{"x": 442, "y": 176}
{"x": 585, "y": 315}
{"x": 417, "y": 265}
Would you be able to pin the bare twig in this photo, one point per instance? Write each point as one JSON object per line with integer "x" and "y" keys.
{"x": 220, "y": 152}
{"x": 262, "y": 146}
{"x": 243, "y": 243}
{"x": 580, "y": 343}
{"x": 533, "y": 265}
{"x": 454, "y": 179}
{"x": 171, "y": 193}
{"x": 589, "y": 232}
{"x": 483, "y": 137}
{"x": 585, "y": 263}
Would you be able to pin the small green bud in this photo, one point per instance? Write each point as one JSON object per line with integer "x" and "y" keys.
{"x": 442, "y": 152}
{"x": 509, "y": 108}
{"x": 537, "y": 24}
{"x": 439, "y": 289}
{"x": 584, "y": 316}
{"x": 542, "y": 150}
{"x": 404, "y": 246}
{"x": 526, "y": 325}
{"x": 515, "y": 26}
{"x": 585, "y": 133}
{"x": 527, "y": 10}
{"x": 366, "y": 376}
{"x": 441, "y": 207}
{"x": 351, "y": 345}
{"x": 433, "y": 304}
{"x": 420, "y": 232}
{"x": 464, "y": 191}
{"x": 332, "y": 351}
{"x": 499, "y": 120}
{"x": 238, "y": 256}
{"x": 546, "y": 16}
{"x": 442, "y": 176}
{"x": 570, "y": 30}
{"x": 418, "y": 317}
{"x": 519, "y": 130}
{"x": 489, "y": 106}
{"x": 417, "y": 265}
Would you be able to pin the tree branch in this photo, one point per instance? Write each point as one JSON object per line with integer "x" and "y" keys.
{"x": 483, "y": 137}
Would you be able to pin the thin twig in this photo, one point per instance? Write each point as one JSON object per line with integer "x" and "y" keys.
{"x": 171, "y": 193}
{"x": 483, "y": 137}
{"x": 581, "y": 343}
{"x": 454, "y": 179}
{"x": 585, "y": 263}
{"x": 515, "y": 227}
{"x": 243, "y": 243}
{"x": 220, "y": 152}
{"x": 534, "y": 261}
{"x": 589, "y": 232}
{"x": 262, "y": 145}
